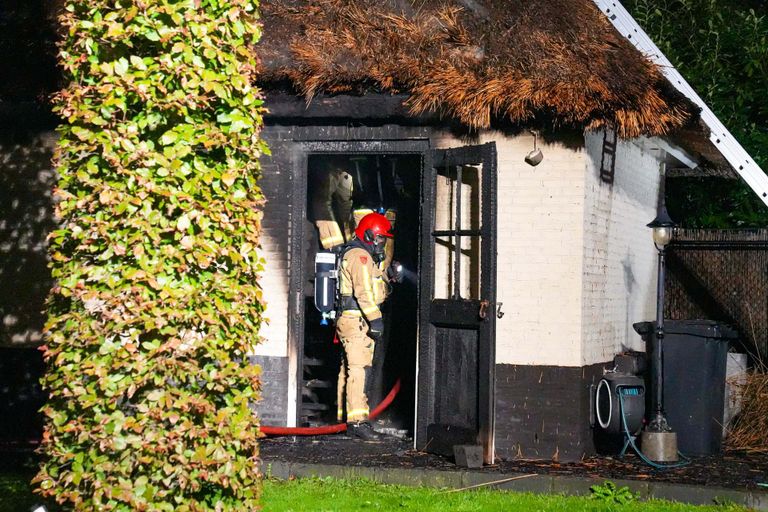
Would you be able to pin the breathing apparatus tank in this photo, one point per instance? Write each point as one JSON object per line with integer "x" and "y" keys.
{"x": 326, "y": 279}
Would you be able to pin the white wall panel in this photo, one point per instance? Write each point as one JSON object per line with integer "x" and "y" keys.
{"x": 619, "y": 284}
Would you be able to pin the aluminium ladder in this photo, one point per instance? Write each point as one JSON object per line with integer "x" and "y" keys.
{"x": 720, "y": 137}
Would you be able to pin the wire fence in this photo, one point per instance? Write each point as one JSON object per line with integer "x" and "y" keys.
{"x": 721, "y": 275}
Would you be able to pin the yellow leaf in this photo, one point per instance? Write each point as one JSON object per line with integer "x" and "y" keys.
{"x": 106, "y": 196}
{"x": 228, "y": 179}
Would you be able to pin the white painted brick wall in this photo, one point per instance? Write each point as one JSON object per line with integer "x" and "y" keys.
{"x": 274, "y": 283}
{"x": 540, "y": 212}
{"x": 619, "y": 280}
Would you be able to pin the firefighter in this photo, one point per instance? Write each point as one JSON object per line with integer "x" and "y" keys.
{"x": 363, "y": 287}
{"x": 332, "y": 204}
{"x": 376, "y": 190}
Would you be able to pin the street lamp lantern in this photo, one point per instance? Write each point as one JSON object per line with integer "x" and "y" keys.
{"x": 658, "y": 440}
{"x": 662, "y": 227}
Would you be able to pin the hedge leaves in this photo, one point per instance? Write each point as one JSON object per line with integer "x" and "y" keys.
{"x": 156, "y": 259}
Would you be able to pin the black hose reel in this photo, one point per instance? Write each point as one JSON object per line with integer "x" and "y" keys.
{"x": 614, "y": 394}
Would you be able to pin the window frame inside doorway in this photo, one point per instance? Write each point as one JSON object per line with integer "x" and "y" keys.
{"x": 301, "y": 151}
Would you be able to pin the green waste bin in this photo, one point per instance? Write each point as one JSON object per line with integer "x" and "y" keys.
{"x": 695, "y": 353}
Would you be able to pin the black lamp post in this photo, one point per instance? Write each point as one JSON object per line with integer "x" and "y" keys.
{"x": 659, "y": 442}
{"x": 662, "y": 227}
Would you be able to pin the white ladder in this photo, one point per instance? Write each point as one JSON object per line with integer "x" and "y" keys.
{"x": 728, "y": 146}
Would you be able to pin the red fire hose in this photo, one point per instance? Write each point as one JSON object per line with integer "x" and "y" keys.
{"x": 329, "y": 429}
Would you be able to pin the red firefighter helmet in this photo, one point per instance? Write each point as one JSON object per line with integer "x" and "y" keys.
{"x": 373, "y": 225}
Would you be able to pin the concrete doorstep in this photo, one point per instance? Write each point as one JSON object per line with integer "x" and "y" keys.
{"x": 540, "y": 484}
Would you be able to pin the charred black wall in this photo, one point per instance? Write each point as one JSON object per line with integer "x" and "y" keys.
{"x": 542, "y": 412}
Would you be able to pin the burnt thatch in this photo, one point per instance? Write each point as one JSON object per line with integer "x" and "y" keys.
{"x": 475, "y": 60}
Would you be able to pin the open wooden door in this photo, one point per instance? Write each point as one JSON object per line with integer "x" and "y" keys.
{"x": 456, "y": 355}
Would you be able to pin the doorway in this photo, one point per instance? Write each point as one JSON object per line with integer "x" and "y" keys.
{"x": 341, "y": 187}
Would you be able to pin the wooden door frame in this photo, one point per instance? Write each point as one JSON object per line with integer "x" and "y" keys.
{"x": 301, "y": 150}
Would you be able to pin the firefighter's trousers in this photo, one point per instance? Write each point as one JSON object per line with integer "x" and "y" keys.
{"x": 352, "y": 330}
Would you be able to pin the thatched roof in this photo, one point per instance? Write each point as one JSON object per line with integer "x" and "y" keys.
{"x": 474, "y": 60}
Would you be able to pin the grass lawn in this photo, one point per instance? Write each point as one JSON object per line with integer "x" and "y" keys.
{"x": 326, "y": 494}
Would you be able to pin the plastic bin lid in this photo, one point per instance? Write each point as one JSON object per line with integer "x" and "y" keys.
{"x": 701, "y": 328}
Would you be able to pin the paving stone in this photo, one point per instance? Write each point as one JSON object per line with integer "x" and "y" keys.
{"x": 468, "y": 455}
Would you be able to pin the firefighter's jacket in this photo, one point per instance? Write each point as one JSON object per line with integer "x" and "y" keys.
{"x": 363, "y": 284}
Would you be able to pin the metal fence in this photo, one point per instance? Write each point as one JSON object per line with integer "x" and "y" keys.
{"x": 721, "y": 275}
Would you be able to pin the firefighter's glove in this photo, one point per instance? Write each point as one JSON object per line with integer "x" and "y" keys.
{"x": 395, "y": 272}
{"x": 376, "y": 329}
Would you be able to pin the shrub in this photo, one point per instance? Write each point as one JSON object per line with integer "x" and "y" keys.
{"x": 611, "y": 494}
{"x": 155, "y": 259}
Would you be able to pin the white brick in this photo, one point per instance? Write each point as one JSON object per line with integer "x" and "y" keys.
{"x": 274, "y": 334}
{"x": 567, "y": 243}
{"x": 619, "y": 257}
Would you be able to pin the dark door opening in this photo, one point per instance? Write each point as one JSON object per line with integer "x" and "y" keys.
{"x": 341, "y": 188}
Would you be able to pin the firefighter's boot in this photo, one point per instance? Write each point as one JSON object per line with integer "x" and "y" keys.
{"x": 363, "y": 430}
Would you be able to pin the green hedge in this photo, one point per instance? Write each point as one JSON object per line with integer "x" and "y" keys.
{"x": 156, "y": 263}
